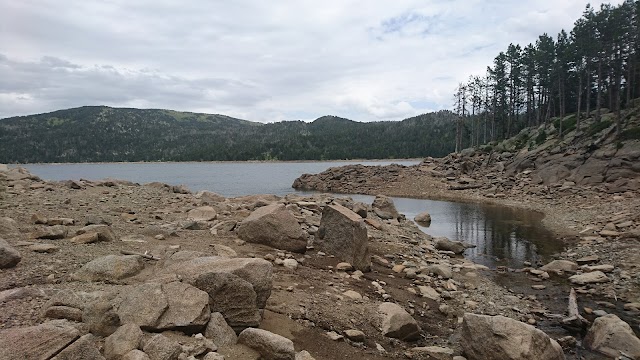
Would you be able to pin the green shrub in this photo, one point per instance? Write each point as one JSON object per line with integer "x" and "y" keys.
{"x": 541, "y": 138}
{"x": 599, "y": 126}
{"x": 630, "y": 134}
{"x": 568, "y": 124}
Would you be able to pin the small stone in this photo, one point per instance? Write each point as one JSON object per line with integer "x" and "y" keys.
{"x": 290, "y": 264}
{"x": 344, "y": 266}
{"x": 44, "y": 248}
{"x": 334, "y": 336}
{"x": 352, "y": 295}
{"x": 538, "y": 287}
{"x": 354, "y": 335}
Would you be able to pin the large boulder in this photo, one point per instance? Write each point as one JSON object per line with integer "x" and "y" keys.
{"x": 274, "y": 226}
{"x": 395, "y": 322}
{"x": 110, "y": 268}
{"x": 9, "y": 257}
{"x": 343, "y": 233}
{"x": 487, "y": 337}
{"x": 424, "y": 218}
{"x": 232, "y": 296}
{"x": 8, "y": 228}
{"x": 160, "y": 347}
{"x": 612, "y": 337}
{"x": 443, "y": 243}
{"x": 384, "y": 207}
{"x": 37, "y": 342}
{"x": 125, "y": 339}
{"x": 270, "y": 346}
{"x": 82, "y": 349}
{"x": 257, "y": 272}
{"x": 203, "y": 213}
{"x": 219, "y": 331}
{"x": 155, "y": 306}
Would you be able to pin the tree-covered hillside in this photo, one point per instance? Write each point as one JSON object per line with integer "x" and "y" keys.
{"x": 99, "y": 133}
{"x": 586, "y": 70}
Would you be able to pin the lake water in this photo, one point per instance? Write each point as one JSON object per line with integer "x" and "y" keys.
{"x": 503, "y": 236}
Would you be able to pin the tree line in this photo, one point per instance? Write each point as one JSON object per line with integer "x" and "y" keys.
{"x": 591, "y": 67}
{"x": 104, "y": 134}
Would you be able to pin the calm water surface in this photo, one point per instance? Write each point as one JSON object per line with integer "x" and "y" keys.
{"x": 503, "y": 236}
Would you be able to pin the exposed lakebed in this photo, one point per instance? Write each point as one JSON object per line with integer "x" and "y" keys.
{"x": 503, "y": 236}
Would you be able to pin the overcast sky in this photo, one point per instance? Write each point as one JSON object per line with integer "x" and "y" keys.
{"x": 260, "y": 60}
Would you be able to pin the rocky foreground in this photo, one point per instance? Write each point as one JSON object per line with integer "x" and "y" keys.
{"x": 117, "y": 270}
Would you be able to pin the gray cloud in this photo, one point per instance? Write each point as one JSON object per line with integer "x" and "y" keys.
{"x": 263, "y": 61}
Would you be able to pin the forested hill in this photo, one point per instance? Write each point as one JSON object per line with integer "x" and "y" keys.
{"x": 100, "y": 134}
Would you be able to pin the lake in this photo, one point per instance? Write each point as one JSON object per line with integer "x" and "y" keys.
{"x": 503, "y": 236}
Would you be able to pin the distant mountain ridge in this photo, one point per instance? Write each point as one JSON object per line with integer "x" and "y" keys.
{"x": 104, "y": 134}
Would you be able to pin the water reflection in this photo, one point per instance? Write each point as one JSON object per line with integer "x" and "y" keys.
{"x": 502, "y": 235}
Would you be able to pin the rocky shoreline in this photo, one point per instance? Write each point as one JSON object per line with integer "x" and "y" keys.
{"x": 100, "y": 269}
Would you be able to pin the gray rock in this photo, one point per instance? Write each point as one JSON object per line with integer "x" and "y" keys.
{"x": 37, "y": 342}
{"x": 44, "y": 248}
{"x": 209, "y": 197}
{"x": 86, "y": 238}
{"x": 100, "y": 316}
{"x": 110, "y": 268}
{"x": 360, "y": 209}
{"x": 82, "y": 349}
{"x": 160, "y": 347}
{"x": 270, "y": 346}
{"x": 219, "y": 331}
{"x": 424, "y": 218}
{"x": 440, "y": 269}
{"x": 8, "y": 228}
{"x": 497, "y": 337}
{"x": 304, "y": 355}
{"x": 274, "y": 226}
{"x": 9, "y": 257}
{"x": 384, "y": 207}
{"x": 135, "y": 355}
{"x": 51, "y": 233}
{"x": 559, "y": 266}
{"x": 354, "y": 335}
{"x": 612, "y": 337}
{"x": 232, "y": 296}
{"x": 63, "y": 312}
{"x": 442, "y": 243}
{"x": 258, "y": 272}
{"x": 397, "y": 323}
{"x": 104, "y": 232}
{"x": 213, "y": 356}
{"x": 121, "y": 342}
{"x": 155, "y": 306}
{"x": 343, "y": 233}
{"x": 589, "y": 278}
{"x": 203, "y": 213}
{"x": 431, "y": 353}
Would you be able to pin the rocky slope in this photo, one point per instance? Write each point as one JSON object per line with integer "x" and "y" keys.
{"x": 586, "y": 182}
{"x": 112, "y": 269}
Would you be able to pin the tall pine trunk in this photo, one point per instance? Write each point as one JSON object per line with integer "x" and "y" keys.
{"x": 579, "y": 102}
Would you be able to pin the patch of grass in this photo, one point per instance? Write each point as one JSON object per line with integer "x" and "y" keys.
{"x": 599, "y": 126}
{"x": 568, "y": 124}
{"x": 630, "y": 134}
{"x": 541, "y": 138}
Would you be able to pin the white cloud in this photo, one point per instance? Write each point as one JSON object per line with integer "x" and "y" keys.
{"x": 263, "y": 61}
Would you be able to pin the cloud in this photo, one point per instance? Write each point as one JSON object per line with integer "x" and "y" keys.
{"x": 263, "y": 61}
